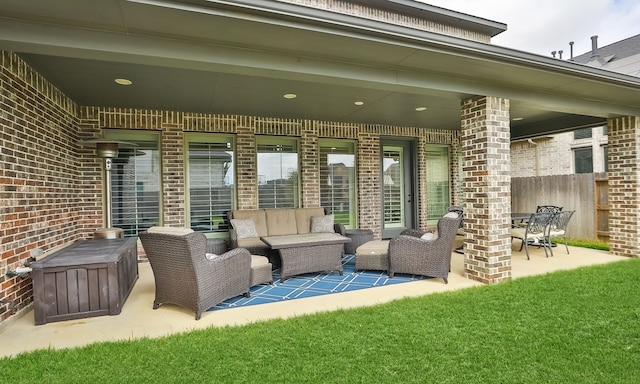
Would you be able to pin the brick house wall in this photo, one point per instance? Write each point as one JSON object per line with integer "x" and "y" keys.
{"x": 246, "y": 129}
{"x": 553, "y": 154}
{"x": 40, "y": 176}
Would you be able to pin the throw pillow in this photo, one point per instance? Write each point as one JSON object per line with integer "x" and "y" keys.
{"x": 427, "y": 236}
{"x": 322, "y": 224}
{"x": 245, "y": 229}
{"x": 453, "y": 215}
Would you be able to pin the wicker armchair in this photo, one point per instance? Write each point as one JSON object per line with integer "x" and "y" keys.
{"x": 408, "y": 253}
{"x": 185, "y": 276}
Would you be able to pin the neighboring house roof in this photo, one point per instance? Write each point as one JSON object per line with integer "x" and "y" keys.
{"x": 622, "y": 56}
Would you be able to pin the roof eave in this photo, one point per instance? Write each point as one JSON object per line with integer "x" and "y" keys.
{"x": 409, "y": 35}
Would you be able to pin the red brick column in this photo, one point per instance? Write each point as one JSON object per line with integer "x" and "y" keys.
{"x": 310, "y": 166}
{"x": 487, "y": 189}
{"x": 369, "y": 185}
{"x": 624, "y": 186}
{"x": 246, "y": 177}
{"x": 173, "y": 172}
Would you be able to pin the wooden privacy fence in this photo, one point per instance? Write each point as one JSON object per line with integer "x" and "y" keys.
{"x": 585, "y": 193}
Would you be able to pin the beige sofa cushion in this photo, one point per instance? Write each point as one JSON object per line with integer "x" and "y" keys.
{"x": 374, "y": 247}
{"x": 303, "y": 218}
{"x": 170, "y": 230}
{"x": 258, "y": 217}
{"x": 281, "y": 222}
{"x": 253, "y": 242}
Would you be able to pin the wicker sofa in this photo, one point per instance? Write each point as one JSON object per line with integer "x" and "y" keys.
{"x": 298, "y": 240}
{"x": 273, "y": 222}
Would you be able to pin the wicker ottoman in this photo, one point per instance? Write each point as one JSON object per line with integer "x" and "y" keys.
{"x": 373, "y": 255}
{"x": 260, "y": 270}
{"x": 358, "y": 237}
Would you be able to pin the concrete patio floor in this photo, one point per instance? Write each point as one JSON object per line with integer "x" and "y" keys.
{"x": 139, "y": 320}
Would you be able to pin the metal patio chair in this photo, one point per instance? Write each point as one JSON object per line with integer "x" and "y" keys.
{"x": 460, "y": 211}
{"x": 557, "y": 228}
{"x": 535, "y": 232}
{"x": 548, "y": 208}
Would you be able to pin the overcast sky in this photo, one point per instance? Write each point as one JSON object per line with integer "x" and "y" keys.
{"x": 542, "y": 26}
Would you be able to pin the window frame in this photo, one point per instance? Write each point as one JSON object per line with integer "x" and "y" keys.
{"x": 351, "y": 149}
{"x": 137, "y": 136}
{"x": 276, "y": 141}
{"x": 576, "y": 151}
{"x": 229, "y": 141}
{"x": 583, "y": 133}
{"x": 433, "y": 218}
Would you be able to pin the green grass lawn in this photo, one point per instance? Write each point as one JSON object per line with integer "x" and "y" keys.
{"x": 579, "y": 326}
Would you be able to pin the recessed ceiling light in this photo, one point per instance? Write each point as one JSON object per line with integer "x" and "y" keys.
{"x": 358, "y": 102}
{"x": 123, "y": 81}
{"x": 420, "y": 109}
{"x": 290, "y": 96}
{"x": 517, "y": 118}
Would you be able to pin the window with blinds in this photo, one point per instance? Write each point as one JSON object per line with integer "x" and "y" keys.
{"x": 338, "y": 180}
{"x": 393, "y": 186}
{"x": 210, "y": 173}
{"x": 278, "y": 185}
{"x": 438, "y": 182}
{"x": 135, "y": 183}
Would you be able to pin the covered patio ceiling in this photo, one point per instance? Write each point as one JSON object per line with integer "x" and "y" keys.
{"x": 241, "y": 57}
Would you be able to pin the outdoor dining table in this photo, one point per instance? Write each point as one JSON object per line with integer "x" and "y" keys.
{"x": 518, "y": 218}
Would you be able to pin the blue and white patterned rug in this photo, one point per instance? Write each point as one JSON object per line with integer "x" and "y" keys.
{"x": 316, "y": 284}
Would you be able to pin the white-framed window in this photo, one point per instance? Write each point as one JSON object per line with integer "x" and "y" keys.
{"x": 136, "y": 182}
{"x": 582, "y": 133}
{"x": 393, "y": 185}
{"x": 338, "y": 180}
{"x": 211, "y": 181}
{"x": 278, "y": 167}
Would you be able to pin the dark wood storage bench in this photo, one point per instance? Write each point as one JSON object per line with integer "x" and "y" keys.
{"x": 88, "y": 278}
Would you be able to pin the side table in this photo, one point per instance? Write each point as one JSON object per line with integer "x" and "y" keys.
{"x": 358, "y": 237}
{"x": 217, "y": 245}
